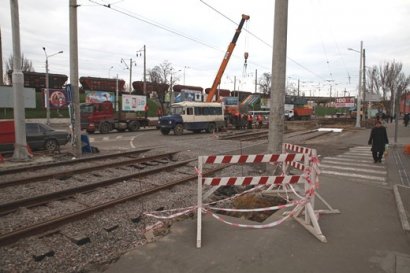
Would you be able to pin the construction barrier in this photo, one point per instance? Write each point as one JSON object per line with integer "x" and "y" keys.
{"x": 305, "y": 160}
{"x": 312, "y": 153}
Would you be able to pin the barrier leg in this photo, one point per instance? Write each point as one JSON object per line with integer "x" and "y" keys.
{"x": 199, "y": 212}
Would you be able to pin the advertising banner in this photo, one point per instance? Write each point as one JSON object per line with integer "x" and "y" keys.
{"x": 99, "y": 96}
{"x": 345, "y": 102}
{"x": 7, "y": 98}
{"x": 133, "y": 103}
{"x": 58, "y": 98}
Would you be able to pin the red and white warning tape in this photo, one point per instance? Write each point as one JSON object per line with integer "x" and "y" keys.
{"x": 232, "y": 159}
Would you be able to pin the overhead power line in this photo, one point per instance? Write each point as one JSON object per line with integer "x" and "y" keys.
{"x": 261, "y": 40}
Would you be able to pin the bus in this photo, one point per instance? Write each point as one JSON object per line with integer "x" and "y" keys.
{"x": 193, "y": 116}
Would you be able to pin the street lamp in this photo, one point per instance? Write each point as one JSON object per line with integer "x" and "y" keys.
{"x": 172, "y": 99}
{"x": 184, "y": 72}
{"x": 47, "y": 93}
{"x": 359, "y": 94}
{"x": 109, "y": 70}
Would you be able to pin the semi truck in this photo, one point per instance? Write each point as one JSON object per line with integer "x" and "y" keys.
{"x": 101, "y": 116}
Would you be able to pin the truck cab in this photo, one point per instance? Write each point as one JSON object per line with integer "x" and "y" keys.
{"x": 94, "y": 115}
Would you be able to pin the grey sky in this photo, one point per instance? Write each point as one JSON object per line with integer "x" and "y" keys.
{"x": 319, "y": 33}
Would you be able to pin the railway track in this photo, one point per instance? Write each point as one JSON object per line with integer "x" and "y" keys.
{"x": 85, "y": 159}
{"x": 78, "y": 167}
{"x": 53, "y": 223}
{"x": 263, "y": 134}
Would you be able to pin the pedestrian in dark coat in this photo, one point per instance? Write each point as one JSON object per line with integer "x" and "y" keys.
{"x": 378, "y": 139}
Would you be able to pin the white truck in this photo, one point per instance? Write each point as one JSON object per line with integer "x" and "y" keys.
{"x": 289, "y": 111}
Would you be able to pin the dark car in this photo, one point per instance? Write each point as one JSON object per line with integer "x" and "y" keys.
{"x": 39, "y": 137}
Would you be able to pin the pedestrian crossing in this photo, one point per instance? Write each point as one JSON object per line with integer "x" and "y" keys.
{"x": 355, "y": 165}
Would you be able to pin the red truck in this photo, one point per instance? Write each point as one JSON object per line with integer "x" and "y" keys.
{"x": 302, "y": 113}
{"x": 102, "y": 117}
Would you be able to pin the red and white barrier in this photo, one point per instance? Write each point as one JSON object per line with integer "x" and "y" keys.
{"x": 304, "y": 161}
{"x": 312, "y": 153}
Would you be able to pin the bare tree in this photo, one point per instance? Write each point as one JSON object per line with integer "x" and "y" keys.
{"x": 26, "y": 64}
{"x": 163, "y": 73}
{"x": 265, "y": 82}
{"x": 388, "y": 80}
{"x": 373, "y": 83}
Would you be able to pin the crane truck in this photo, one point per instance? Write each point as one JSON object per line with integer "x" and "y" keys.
{"x": 226, "y": 58}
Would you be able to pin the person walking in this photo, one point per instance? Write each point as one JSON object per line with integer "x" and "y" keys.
{"x": 378, "y": 139}
{"x": 406, "y": 119}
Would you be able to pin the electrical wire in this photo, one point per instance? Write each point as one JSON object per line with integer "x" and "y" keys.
{"x": 264, "y": 42}
{"x": 153, "y": 23}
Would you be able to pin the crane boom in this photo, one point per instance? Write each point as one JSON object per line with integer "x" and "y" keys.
{"x": 226, "y": 58}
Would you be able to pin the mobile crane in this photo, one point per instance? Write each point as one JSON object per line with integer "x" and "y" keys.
{"x": 226, "y": 58}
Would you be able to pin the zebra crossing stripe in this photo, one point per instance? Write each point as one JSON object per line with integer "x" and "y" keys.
{"x": 354, "y": 175}
{"x": 368, "y": 165}
{"x": 360, "y": 170}
{"x": 349, "y": 160}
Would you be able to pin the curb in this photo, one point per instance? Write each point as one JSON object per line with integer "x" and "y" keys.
{"x": 400, "y": 208}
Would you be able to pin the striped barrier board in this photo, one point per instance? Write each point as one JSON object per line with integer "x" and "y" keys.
{"x": 302, "y": 160}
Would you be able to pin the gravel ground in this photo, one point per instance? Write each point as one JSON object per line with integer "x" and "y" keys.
{"x": 108, "y": 234}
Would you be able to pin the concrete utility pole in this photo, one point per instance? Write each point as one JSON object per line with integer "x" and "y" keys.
{"x": 1, "y": 61}
{"x": 130, "y": 86}
{"x": 145, "y": 71}
{"x": 20, "y": 147}
{"x": 364, "y": 86}
{"x": 77, "y": 148}
{"x": 276, "y": 117}
{"x": 256, "y": 80}
{"x": 359, "y": 93}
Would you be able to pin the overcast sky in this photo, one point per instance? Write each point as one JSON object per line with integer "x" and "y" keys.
{"x": 319, "y": 33}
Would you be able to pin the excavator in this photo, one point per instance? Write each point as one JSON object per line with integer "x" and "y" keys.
{"x": 226, "y": 58}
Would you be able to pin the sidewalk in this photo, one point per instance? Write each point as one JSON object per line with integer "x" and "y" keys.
{"x": 367, "y": 236}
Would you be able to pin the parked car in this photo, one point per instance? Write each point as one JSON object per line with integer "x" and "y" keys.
{"x": 39, "y": 136}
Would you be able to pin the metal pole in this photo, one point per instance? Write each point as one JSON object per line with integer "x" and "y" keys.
{"x": 359, "y": 94}
{"x": 77, "y": 146}
{"x": 20, "y": 147}
{"x": 276, "y": 121}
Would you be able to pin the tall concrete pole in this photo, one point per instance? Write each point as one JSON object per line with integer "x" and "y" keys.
{"x": 276, "y": 117}
{"x": 1, "y": 61}
{"x": 130, "y": 87}
{"x": 364, "y": 87}
{"x": 359, "y": 92}
{"x": 74, "y": 77}
{"x": 47, "y": 93}
{"x": 145, "y": 71}
{"x": 20, "y": 147}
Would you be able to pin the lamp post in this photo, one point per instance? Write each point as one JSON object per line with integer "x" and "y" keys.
{"x": 109, "y": 70}
{"x": 359, "y": 94}
{"x": 47, "y": 93}
{"x": 185, "y": 67}
{"x": 172, "y": 99}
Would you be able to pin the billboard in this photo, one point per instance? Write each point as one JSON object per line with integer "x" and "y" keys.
{"x": 345, "y": 102}
{"x": 133, "y": 103}
{"x": 99, "y": 96}
{"x": 7, "y": 98}
{"x": 57, "y": 97}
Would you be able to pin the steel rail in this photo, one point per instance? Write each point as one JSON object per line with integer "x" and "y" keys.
{"x": 14, "y": 236}
{"x": 77, "y": 160}
{"x": 83, "y": 169}
{"x": 46, "y": 198}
